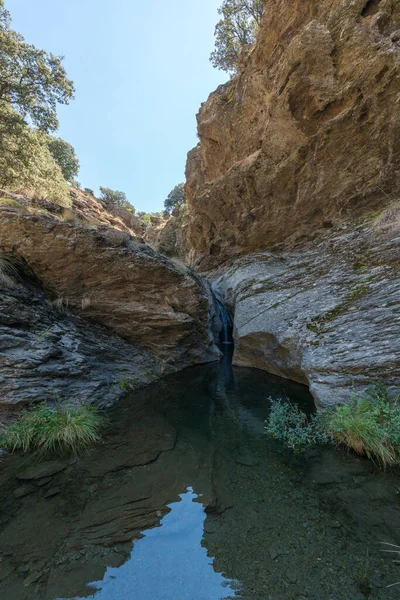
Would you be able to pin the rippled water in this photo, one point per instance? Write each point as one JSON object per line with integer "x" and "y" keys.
{"x": 188, "y": 498}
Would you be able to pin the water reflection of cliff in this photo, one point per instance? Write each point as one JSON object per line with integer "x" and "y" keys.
{"x": 274, "y": 524}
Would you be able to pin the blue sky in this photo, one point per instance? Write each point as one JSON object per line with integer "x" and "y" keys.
{"x": 141, "y": 71}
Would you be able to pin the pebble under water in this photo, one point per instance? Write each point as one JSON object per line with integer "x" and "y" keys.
{"x": 188, "y": 498}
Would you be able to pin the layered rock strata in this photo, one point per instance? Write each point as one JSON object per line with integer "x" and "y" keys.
{"x": 328, "y": 316}
{"x": 138, "y": 312}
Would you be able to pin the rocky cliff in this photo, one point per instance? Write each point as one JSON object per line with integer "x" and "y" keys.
{"x": 292, "y": 210}
{"x": 293, "y": 196}
{"x": 91, "y": 310}
{"x": 326, "y": 316}
{"x": 307, "y": 134}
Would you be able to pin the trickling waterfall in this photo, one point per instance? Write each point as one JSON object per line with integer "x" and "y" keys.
{"x": 227, "y": 323}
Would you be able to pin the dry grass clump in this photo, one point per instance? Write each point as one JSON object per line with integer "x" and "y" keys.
{"x": 389, "y": 219}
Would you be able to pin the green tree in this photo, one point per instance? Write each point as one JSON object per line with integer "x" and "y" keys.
{"x": 26, "y": 165}
{"x": 237, "y": 28}
{"x": 145, "y": 218}
{"x": 64, "y": 155}
{"x": 31, "y": 80}
{"x": 111, "y": 198}
{"x": 176, "y": 197}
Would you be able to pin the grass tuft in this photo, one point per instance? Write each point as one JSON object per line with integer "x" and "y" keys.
{"x": 369, "y": 425}
{"x": 59, "y": 429}
{"x": 394, "y": 549}
{"x": 10, "y": 202}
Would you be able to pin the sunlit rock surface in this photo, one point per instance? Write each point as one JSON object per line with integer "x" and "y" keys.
{"x": 307, "y": 134}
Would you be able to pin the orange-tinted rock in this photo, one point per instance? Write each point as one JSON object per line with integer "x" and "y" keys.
{"x": 310, "y": 136}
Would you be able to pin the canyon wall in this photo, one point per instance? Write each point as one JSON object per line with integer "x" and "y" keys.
{"x": 292, "y": 211}
{"x": 326, "y": 316}
{"x": 307, "y": 134}
{"x": 293, "y": 196}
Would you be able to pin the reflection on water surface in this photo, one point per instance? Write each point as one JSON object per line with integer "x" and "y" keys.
{"x": 189, "y": 499}
{"x": 154, "y": 571}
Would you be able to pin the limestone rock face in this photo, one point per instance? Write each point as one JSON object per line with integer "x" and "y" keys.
{"x": 305, "y": 136}
{"x": 101, "y": 306}
{"x": 327, "y": 316}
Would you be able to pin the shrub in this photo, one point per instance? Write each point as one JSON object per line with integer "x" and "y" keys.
{"x": 26, "y": 165}
{"x": 114, "y": 198}
{"x": 238, "y": 26}
{"x": 290, "y": 425}
{"x": 146, "y": 219}
{"x": 153, "y": 218}
{"x": 369, "y": 425}
{"x": 60, "y": 429}
{"x": 176, "y": 197}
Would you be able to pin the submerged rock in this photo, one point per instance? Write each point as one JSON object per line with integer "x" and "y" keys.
{"x": 23, "y": 490}
{"x": 44, "y": 469}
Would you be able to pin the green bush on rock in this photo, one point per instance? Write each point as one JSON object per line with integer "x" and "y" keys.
{"x": 26, "y": 165}
{"x": 369, "y": 425}
{"x": 59, "y": 429}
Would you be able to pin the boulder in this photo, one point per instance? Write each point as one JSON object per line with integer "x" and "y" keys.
{"x": 327, "y": 316}
{"x": 93, "y": 311}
